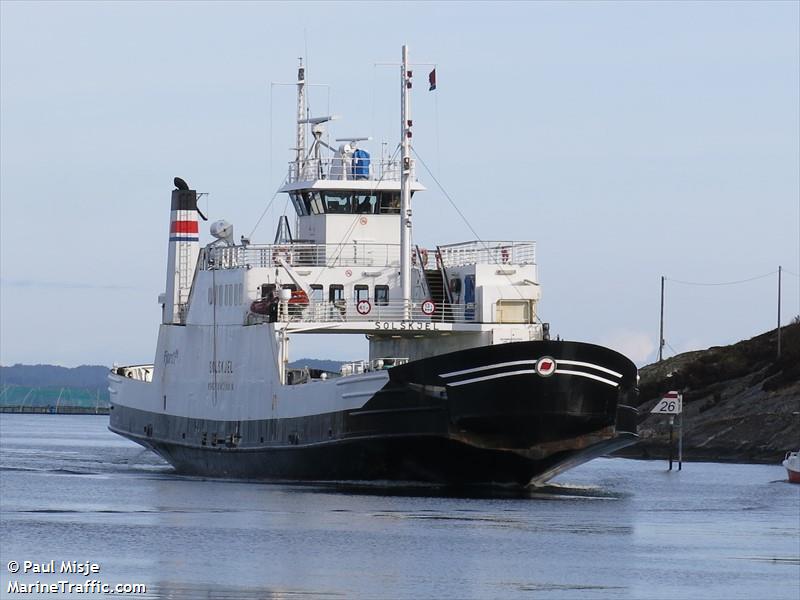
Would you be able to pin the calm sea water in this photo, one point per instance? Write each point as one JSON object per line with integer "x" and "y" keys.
{"x": 71, "y": 490}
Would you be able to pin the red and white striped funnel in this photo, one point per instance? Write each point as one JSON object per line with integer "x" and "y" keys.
{"x": 184, "y": 247}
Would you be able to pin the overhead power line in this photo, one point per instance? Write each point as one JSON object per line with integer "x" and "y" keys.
{"x": 701, "y": 283}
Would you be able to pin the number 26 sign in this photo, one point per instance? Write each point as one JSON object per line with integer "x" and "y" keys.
{"x": 670, "y": 404}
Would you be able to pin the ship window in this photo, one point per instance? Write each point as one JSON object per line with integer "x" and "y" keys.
{"x": 389, "y": 203}
{"x": 299, "y": 205}
{"x": 210, "y": 295}
{"x": 365, "y": 203}
{"x": 316, "y": 292}
{"x": 513, "y": 311}
{"x": 381, "y": 295}
{"x": 338, "y": 202}
{"x": 335, "y": 293}
{"x": 227, "y": 295}
{"x": 314, "y": 203}
{"x": 267, "y": 289}
{"x": 361, "y": 293}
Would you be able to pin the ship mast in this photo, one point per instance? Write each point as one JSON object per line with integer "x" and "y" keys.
{"x": 405, "y": 185}
{"x": 301, "y": 117}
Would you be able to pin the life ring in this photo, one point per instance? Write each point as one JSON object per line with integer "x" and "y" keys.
{"x": 424, "y": 256}
{"x": 504, "y": 254}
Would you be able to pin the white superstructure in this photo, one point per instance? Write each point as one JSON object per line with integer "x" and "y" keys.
{"x": 352, "y": 265}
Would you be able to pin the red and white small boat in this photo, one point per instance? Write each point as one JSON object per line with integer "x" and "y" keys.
{"x": 792, "y": 464}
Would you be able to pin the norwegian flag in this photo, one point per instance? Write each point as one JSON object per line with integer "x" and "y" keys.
{"x": 670, "y": 396}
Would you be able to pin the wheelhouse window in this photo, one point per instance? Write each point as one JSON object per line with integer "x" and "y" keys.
{"x": 365, "y": 203}
{"x": 346, "y": 202}
{"x": 338, "y": 202}
{"x": 299, "y": 204}
{"x": 381, "y": 295}
{"x": 389, "y": 203}
{"x": 313, "y": 203}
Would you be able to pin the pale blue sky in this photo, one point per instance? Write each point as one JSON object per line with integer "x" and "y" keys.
{"x": 629, "y": 139}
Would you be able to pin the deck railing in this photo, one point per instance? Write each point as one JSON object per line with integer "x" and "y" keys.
{"x": 358, "y": 367}
{"x": 347, "y": 312}
{"x": 489, "y": 252}
{"x": 302, "y": 255}
{"x": 337, "y": 169}
{"x": 358, "y": 254}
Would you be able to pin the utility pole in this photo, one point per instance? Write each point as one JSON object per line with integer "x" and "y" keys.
{"x": 661, "y": 330}
{"x": 779, "y": 310}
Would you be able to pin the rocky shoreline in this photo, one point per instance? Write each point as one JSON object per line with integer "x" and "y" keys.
{"x": 741, "y": 402}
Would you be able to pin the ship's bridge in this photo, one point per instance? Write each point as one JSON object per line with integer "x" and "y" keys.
{"x": 346, "y": 200}
{"x": 334, "y": 186}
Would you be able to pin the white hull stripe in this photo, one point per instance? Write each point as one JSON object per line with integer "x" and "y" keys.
{"x": 514, "y": 363}
{"x": 496, "y": 376}
{"x": 533, "y": 372}
{"x": 576, "y": 363}
{"x": 589, "y": 375}
{"x": 487, "y": 367}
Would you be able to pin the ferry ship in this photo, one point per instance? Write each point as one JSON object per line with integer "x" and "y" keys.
{"x": 462, "y": 383}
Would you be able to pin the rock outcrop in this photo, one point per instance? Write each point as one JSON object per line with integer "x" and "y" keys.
{"x": 741, "y": 402}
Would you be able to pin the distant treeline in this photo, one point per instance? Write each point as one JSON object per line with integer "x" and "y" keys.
{"x": 315, "y": 363}
{"x": 86, "y": 386}
{"x": 85, "y": 376}
{"x": 48, "y": 386}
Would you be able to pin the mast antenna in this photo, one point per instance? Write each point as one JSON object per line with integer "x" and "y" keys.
{"x": 301, "y": 115}
{"x": 406, "y": 170}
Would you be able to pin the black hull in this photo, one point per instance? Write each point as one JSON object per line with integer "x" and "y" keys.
{"x": 483, "y": 415}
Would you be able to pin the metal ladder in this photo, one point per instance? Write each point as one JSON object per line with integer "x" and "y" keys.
{"x": 183, "y": 267}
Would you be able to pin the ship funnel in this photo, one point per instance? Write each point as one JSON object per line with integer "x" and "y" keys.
{"x": 184, "y": 247}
